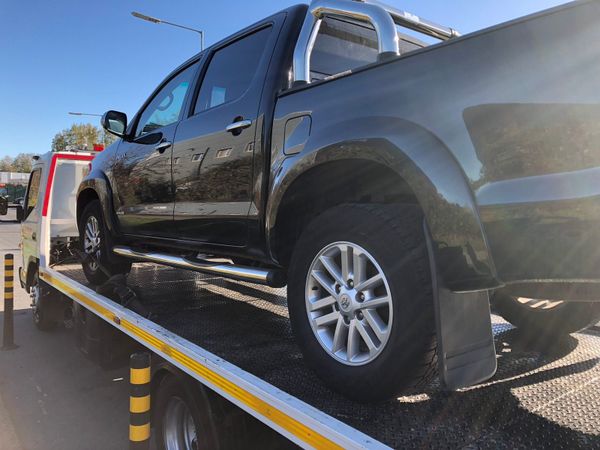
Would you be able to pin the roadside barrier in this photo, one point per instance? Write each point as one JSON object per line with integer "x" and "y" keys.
{"x": 8, "y": 335}
{"x": 139, "y": 401}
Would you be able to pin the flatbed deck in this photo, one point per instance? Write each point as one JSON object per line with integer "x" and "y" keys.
{"x": 542, "y": 395}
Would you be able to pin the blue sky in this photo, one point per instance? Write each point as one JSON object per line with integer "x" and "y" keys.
{"x": 72, "y": 55}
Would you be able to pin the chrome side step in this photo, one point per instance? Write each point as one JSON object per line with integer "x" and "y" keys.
{"x": 269, "y": 277}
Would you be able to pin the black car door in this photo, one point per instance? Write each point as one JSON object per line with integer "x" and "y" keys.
{"x": 213, "y": 151}
{"x": 142, "y": 171}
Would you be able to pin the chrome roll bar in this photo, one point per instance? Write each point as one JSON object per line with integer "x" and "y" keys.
{"x": 417, "y": 23}
{"x": 382, "y": 17}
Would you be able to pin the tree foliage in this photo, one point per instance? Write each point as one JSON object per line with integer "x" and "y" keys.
{"x": 81, "y": 136}
{"x": 20, "y": 163}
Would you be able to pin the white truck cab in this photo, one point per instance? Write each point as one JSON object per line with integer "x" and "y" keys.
{"x": 65, "y": 170}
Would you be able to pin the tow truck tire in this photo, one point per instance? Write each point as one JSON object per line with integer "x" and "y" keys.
{"x": 547, "y": 320}
{"x": 92, "y": 231}
{"x": 390, "y": 241}
{"x": 42, "y": 309}
{"x": 182, "y": 411}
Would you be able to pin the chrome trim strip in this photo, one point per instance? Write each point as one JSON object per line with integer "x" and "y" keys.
{"x": 240, "y": 125}
{"x": 251, "y": 274}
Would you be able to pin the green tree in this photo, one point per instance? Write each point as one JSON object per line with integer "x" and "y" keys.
{"x": 81, "y": 136}
{"x": 107, "y": 138}
{"x": 22, "y": 162}
{"x": 6, "y": 164}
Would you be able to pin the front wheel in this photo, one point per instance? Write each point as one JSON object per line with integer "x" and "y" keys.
{"x": 360, "y": 300}
{"x": 43, "y": 311}
{"x": 98, "y": 264}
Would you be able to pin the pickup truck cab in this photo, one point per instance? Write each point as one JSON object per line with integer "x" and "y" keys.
{"x": 329, "y": 147}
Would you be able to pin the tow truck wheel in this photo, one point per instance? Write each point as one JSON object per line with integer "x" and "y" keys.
{"x": 43, "y": 316}
{"x": 546, "y": 318}
{"x": 183, "y": 418}
{"x": 361, "y": 302}
{"x": 99, "y": 264}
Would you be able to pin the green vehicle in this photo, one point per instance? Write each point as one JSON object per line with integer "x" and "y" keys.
{"x": 11, "y": 196}
{"x": 3, "y": 201}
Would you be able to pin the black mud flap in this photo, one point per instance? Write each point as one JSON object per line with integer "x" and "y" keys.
{"x": 466, "y": 352}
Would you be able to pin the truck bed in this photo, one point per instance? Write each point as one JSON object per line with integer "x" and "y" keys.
{"x": 541, "y": 396}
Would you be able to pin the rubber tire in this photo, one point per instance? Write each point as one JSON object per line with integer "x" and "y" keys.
{"x": 564, "y": 319}
{"x": 45, "y": 319}
{"x": 394, "y": 236}
{"x": 113, "y": 264}
{"x": 175, "y": 386}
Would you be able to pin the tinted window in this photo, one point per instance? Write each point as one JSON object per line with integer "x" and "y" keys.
{"x": 165, "y": 108}
{"x": 32, "y": 191}
{"x": 342, "y": 46}
{"x": 231, "y": 70}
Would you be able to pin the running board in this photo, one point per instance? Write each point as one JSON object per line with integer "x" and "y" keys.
{"x": 269, "y": 277}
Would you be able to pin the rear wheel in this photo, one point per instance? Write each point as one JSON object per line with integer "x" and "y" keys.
{"x": 99, "y": 264}
{"x": 361, "y": 302}
{"x": 183, "y": 419}
{"x": 546, "y": 318}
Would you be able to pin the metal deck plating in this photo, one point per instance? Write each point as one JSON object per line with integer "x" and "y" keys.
{"x": 543, "y": 395}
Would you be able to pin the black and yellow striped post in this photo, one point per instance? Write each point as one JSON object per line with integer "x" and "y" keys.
{"x": 139, "y": 402}
{"x": 8, "y": 335}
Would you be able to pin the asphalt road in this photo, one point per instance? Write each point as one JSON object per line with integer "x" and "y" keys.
{"x": 51, "y": 396}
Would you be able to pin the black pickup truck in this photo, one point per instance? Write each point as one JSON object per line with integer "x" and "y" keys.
{"x": 370, "y": 160}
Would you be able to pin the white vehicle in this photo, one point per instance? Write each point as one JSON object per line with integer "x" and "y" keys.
{"x": 69, "y": 168}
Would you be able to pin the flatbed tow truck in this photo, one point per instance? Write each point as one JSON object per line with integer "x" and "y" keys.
{"x": 232, "y": 339}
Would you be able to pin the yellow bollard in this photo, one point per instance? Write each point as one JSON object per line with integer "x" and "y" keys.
{"x": 8, "y": 335}
{"x": 139, "y": 402}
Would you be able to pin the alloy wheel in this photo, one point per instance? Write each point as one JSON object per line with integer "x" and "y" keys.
{"x": 92, "y": 241}
{"x": 34, "y": 293}
{"x": 349, "y": 303}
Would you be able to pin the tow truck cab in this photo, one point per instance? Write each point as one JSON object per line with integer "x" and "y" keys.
{"x": 69, "y": 168}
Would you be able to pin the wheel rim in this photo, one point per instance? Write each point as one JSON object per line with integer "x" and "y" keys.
{"x": 34, "y": 293}
{"x": 349, "y": 303}
{"x": 539, "y": 304}
{"x": 179, "y": 430}
{"x": 92, "y": 241}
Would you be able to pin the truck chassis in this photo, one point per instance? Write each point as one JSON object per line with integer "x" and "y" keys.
{"x": 234, "y": 337}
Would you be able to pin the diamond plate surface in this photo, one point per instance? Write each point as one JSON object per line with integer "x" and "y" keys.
{"x": 544, "y": 395}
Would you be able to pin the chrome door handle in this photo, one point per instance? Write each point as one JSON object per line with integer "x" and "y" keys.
{"x": 238, "y": 126}
{"x": 160, "y": 148}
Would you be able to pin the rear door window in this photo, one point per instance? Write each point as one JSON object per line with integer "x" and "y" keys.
{"x": 231, "y": 71}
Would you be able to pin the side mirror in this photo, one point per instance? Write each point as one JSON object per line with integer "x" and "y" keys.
{"x": 115, "y": 122}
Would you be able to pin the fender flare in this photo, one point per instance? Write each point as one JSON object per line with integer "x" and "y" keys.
{"x": 462, "y": 254}
{"x": 97, "y": 182}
